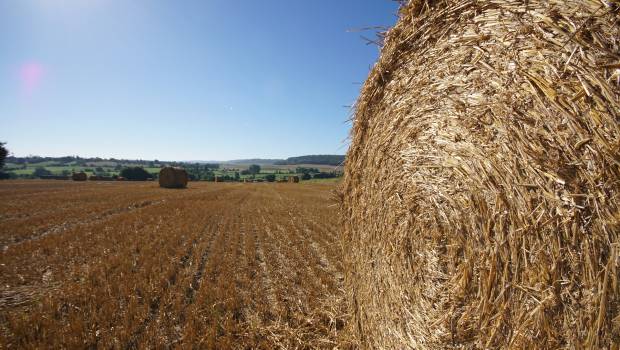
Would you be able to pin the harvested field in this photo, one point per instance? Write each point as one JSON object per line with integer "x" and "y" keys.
{"x": 131, "y": 265}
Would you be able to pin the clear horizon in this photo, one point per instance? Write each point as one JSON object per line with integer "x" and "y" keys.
{"x": 203, "y": 80}
{"x": 168, "y": 160}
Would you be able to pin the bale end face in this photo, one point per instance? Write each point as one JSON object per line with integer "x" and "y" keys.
{"x": 81, "y": 176}
{"x": 480, "y": 200}
{"x": 172, "y": 177}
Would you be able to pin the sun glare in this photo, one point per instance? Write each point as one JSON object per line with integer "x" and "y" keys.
{"x": 30, "y": 77}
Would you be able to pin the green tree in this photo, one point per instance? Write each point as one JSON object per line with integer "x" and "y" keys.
{"x": 270, "y": 177}
{"x": 306, "y": 176}
{"x": 136, "y": 173}
{"x": 302, "y": 170}
{"x": 41, "y": 171}
{"x": 3, "y": 153}
{"x": 254, "y": 169}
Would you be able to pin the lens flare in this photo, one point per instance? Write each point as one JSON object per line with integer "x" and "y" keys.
{"x": 30, "y": 76}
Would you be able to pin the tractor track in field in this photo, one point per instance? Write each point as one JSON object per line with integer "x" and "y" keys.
{"x": 155, "y": 303}
{"x": 217, "y": 228}
{"x": 316, "y": 246}
{"x": 194, "y": 287}
{"x": 266, "y": 276}
{"x": 93, "y": 219}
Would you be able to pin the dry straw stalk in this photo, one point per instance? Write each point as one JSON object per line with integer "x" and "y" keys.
{"x": 480, "y": 200}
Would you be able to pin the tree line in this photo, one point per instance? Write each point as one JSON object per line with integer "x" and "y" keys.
{"x": 136, "y": 171}
{"x": 319, "y": 159}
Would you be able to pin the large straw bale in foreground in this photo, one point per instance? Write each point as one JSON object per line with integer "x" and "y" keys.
{"x": 480, "y": 200}
{"x": 171, "y": 177}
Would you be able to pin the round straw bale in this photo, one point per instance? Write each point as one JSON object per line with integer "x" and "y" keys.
{"x": 480, "y": 199}
{"x": 81, "y": 176}
{"x": 172, "y": 177}
{"x": 294, "y": 179}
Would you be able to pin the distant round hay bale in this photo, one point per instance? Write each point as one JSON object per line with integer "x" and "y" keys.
{"x": 172, "y": 177}
{"x": 294, "y": 179}
{"x": 480, "y": 200}
{"x": 81, "y": 176}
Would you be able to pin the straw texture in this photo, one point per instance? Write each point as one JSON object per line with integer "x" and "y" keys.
{"x": 480, "y": 199}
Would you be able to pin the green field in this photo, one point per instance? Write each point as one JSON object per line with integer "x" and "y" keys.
{"x": 29, "y": 169}
{"x": 112, "y": 168}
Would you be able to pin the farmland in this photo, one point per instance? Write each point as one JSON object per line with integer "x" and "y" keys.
{"x": 130, "y": 265}
{"x": 231, "y": 171}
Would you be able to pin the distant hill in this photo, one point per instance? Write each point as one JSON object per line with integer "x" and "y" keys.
{"x": 320, "y": 159}
{"x": 259, "y": 161}
{"x": 76, "y": 160}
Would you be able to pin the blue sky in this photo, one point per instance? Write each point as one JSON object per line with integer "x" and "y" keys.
{"x": 183, "y": 80}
